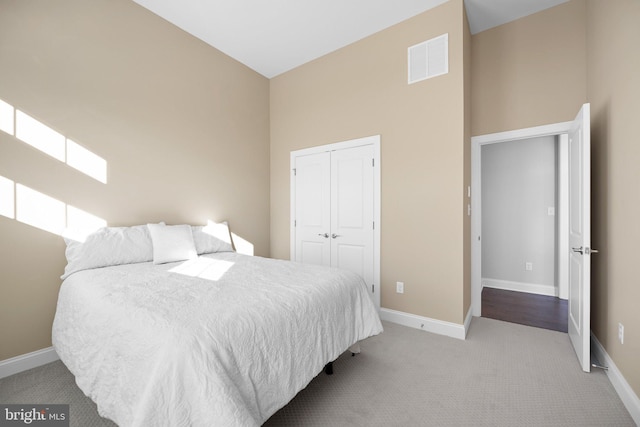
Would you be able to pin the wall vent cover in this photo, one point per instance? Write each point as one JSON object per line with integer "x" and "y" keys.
{"x": 429, "y": 59}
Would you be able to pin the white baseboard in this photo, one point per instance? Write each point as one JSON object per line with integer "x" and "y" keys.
{"x": 27, "y": 361}
{"x": 532, "y": 288}
{"x": 622, "y": 387}
{"x": 435, "y": 326}
{"x": 467, "y": 321}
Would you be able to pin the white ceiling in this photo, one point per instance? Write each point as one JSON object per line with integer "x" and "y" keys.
{"x": 275, "y": 36}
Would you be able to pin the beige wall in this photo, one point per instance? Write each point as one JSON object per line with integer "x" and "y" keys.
{"x": 613, "y": 89}
{"x": 184, "y": 129}
{"x": 362, "y": 90}
{"x": 529, "y": 72}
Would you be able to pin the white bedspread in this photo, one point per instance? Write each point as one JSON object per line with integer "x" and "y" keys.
{"x": 154, "y": 347}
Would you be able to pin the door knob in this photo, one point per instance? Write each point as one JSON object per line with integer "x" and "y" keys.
{"x": 334, "y": 235}
{"x": 325, "y": 235}
{"x": 586, "y": 250}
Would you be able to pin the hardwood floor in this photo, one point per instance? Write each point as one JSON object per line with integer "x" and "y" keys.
{"x": 540, "y": 311}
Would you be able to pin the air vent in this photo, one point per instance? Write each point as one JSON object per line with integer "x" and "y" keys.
{"x": 429, "y": 59}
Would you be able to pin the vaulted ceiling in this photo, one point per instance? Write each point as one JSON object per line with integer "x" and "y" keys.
{"x": 274, "y": 36}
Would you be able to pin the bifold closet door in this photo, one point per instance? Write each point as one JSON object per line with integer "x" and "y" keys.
{"x": 352, "y": 210}
{"x": 313, "y": 208}
{"x": 334, "y": 209}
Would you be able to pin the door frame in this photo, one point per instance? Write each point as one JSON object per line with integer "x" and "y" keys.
{"x": 556, "y": 129}
{"x": 373, "y": 140}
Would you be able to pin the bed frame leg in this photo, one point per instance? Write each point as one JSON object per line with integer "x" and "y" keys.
{"x": 328, "y": 369}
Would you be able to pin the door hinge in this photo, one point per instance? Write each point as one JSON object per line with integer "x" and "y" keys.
{"x": 373, "y": 163}
{"x": 294, "y": 171}
{"x": 295, "y": 223}
{"x": 373, "y": 289}
{"x": 374, "y": 225}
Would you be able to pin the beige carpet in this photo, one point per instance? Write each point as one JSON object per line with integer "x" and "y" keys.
{"x": 503, "y": 375}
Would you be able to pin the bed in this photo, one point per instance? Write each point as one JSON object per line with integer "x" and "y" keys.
{"x": 217, "y": 338}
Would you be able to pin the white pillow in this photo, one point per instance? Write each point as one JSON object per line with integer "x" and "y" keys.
{"x": 108, "y": 246}
{"x": 212, "y": 238}
{"x": 172, "y": 243}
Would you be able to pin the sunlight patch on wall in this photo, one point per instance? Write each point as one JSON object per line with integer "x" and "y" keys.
{"x": 6, "y": 117}
{"x": 80, "y": 224}
{"x": 219, "y": 230}
{"x": 86, "y": 162}
{"x": 39, "y": 210}
{"x": 41, "y": 137}
{"x": 7, "y": 198}
{"x": 242, "y": 246}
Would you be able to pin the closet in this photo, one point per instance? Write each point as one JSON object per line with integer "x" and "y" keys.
{"x": 335, "y": 206}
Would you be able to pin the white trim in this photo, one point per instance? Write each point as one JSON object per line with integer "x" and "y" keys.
{"x": 476, "y": 200}
{"x": 27, "y": 361}
{"x": 622, "y": 387}
{"x": 435, "y": 326}
{"x": 532, "y": 288}
{"x": 373, "y": 140}
{"x": 532, "y": 132}
{"x": 377, "y": 218}
{"x": 358, "y": 142}
{"x": 562, "y": 217}
{"x": 476, "y": 230}
{"x": 467, "y": 321}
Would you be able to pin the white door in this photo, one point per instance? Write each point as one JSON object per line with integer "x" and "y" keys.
{"x": 352, "y": 210}
{"x": 580, "y": 237}
{"x": 335, "y": 207}
{"x": 313, "y": 208}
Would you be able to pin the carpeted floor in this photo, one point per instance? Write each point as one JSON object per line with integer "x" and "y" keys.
{"x": 504, "y": 374}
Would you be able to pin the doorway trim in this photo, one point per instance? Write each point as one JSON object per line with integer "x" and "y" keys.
{"x": 476, "y": 197}
{"x": 373, "y": 140}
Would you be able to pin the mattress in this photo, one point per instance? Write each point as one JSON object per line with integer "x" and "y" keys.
{"x": 221, "y": 340}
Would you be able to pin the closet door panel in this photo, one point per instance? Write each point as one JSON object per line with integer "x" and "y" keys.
{"x": 352, "y": 210}
{"x": 313, "y": 209}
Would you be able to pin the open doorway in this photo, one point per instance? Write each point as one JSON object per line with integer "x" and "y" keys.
{"x": 519, "y": 226}
{"x": 520, "y": 187}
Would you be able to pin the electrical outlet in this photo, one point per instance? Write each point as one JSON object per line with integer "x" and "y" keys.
{"x": 621, "y": 333}
{"x": 528, "y": 266}
{"x": 400, "y": 287}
